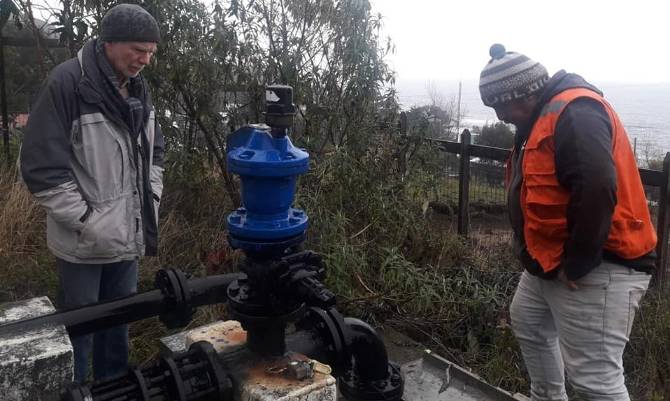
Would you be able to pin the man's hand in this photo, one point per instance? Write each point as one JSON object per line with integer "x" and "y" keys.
{"x": 569, "y": 283}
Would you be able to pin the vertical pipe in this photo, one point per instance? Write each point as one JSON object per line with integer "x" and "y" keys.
{"x": 662, "y": 224}
{"x": 464, "y": 185}
{"x": 369, "y": 351}
{"x": 267, "y": 340}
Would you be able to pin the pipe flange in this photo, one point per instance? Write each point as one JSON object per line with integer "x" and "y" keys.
{"x": 354, "y": 388}
{"x": 218, "y": 374}
{"x": 174, "y": 286}
{"x": 329, "y": 325}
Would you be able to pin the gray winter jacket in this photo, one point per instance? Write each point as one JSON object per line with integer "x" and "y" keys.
{"x": 99, "y": 181}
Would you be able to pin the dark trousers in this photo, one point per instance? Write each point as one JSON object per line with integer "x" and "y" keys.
{"x": 83, "y": 284}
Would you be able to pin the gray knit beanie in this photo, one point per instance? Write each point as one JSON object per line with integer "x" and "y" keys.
{"x": 129, "y": 23}
{"x": 509, "y": 76}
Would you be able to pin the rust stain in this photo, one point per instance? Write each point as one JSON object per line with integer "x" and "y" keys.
{"x": 223, "y": 336}
{"x": 236, "y": 336}
{"x": 259, "y": 375}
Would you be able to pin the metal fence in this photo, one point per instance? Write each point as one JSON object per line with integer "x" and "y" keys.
{"x": 487, "y": 179}
{"x": 478, "y": 174}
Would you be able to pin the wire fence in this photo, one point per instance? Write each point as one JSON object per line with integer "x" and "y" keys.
{"x": 487, "y": 186}
{"x": 478, "y": 187}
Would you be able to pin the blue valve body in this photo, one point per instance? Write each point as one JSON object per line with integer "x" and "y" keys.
{"x": 268, "y": 168}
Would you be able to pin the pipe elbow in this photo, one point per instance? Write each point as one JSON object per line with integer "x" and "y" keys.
{"x": 368, "y": 350}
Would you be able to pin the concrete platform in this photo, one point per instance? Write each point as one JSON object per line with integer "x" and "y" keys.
{"x": 35, "y": 365}
{"x": 433, "y": 378}
{"x": 255, "y": 379}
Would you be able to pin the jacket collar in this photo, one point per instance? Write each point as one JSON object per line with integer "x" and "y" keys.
{"x": 100, "y": 88}
{"x": 559, "y": 82}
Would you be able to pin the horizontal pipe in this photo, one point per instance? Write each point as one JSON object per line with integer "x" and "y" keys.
{"x": 211, "y": 290}
{"x": 103, "y": 315}
{"x": 78, "y": 321}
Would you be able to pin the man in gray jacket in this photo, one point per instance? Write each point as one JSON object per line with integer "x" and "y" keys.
{"x": 93, "y": 156}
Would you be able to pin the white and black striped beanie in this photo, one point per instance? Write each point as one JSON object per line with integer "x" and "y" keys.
{"x": 509, "y": 76}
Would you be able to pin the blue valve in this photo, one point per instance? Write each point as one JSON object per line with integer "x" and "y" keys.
{"x": 268, "y": 166}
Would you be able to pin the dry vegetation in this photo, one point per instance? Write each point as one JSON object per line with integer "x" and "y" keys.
{"x": 390, "y": 262}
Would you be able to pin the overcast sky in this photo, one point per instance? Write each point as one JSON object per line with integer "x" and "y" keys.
{"x": 617, "y": 41}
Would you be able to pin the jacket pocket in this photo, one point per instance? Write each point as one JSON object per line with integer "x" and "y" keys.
{"x": 545, "y": 198}
{"x": 100, "y": 157}
{"x": 61, "y": 238}
{"x": 543, "y": 188}
{"x": 106, "y": 232}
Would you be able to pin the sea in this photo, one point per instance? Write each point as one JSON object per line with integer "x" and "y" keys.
{"x": 644, "y": 109}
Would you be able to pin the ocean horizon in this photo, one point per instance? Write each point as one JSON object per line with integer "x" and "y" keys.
{"x": 643, "y": 108}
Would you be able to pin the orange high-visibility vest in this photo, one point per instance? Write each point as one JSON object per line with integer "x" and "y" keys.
{"x": 544, "y": 201}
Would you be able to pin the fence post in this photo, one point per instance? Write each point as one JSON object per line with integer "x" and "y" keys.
{"x": 662, "y": 225}
{"x": 464, "y": 185}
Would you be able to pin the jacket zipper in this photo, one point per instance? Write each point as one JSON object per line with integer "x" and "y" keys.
{"x": 140, "y": 173}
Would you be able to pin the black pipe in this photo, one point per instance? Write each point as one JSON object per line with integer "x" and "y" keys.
{"x": 311, "y": 344}
{"x": 211, "y": 290}
{"x": 197, "y": 374}
{"x": 368, "y": 350}
{"x": 101, "y": 315}
{"x": 91, "y": 318}
{"x": 266, "y": 340}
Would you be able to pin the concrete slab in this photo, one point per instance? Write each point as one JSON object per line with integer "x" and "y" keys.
{"x": 256, "y": 379}
{"x": 224, "y": 336}
{"x": 264, "y": 380}
{"x": 433, "y": 378}
{"x": 221, "y": 334}
{"x": 35, "y": 365}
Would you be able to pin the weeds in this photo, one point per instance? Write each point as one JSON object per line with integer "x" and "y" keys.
{"x": 24, "y": 259}
{"x": 646, "y": 360}
{"x": 390, "y": 261}
{"x": 390, "y": 264}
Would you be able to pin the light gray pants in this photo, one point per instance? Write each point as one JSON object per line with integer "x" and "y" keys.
{"x": 582, "y": 332}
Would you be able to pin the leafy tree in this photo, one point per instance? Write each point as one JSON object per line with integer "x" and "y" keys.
{"x": 22, "y": 78}
{"x": 8, "y": 9}
{"x": 212, "y": 69}
{"x": 25, "y": 66}
{"x": 416, "y": 125}
{"x": 72, "y": 25}
{"x": 430, "y": 121}
{"x": 499, "y": 135}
